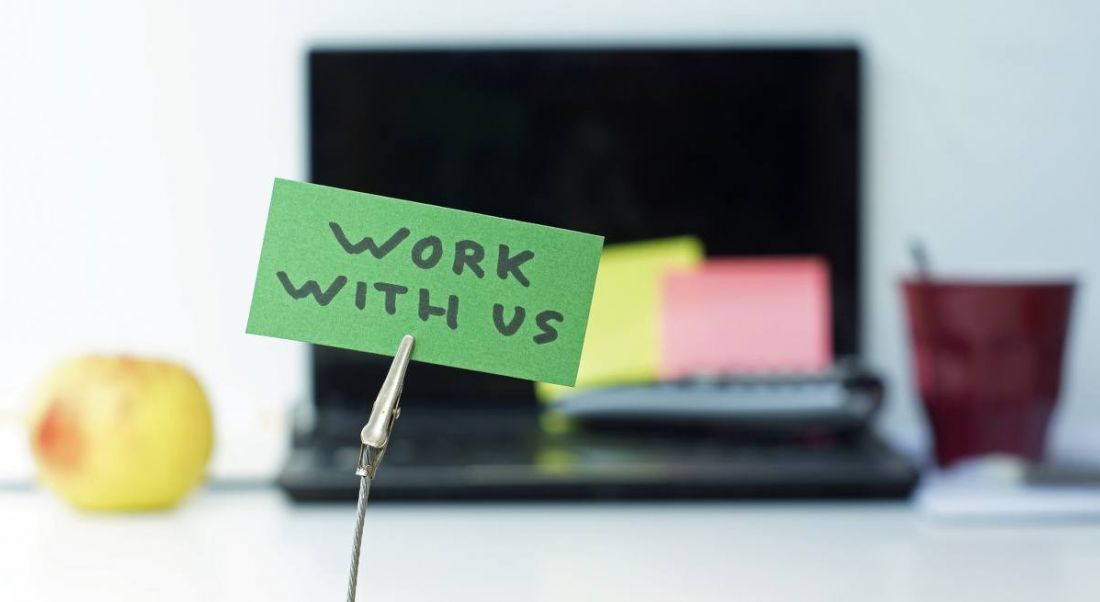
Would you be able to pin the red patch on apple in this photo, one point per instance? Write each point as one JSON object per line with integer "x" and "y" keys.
{"x": 58, "y": 440}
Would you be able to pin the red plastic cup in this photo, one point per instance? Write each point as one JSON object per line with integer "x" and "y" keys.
{"x": 988, "y": 360}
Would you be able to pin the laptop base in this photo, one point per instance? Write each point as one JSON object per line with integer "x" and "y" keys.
{"x": 511, "y": 457}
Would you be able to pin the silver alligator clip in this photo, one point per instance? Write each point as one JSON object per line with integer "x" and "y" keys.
{"x": 375, "y": 436}
{"x": 373, "y": 439}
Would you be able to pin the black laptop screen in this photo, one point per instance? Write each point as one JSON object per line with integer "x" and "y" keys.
{"x": 753, "y": 150}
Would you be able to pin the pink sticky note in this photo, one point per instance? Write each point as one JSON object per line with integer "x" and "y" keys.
{"x": 747, "y": 315}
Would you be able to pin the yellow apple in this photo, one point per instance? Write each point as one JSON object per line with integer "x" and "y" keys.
{"x": 121, "y": 433}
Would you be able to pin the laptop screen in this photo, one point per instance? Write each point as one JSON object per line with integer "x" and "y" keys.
{"x": 753, "y": 150}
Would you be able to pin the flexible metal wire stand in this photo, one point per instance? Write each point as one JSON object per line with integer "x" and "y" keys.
{"x": 357, "y": 544}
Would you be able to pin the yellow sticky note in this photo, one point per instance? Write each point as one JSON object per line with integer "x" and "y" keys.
{"x": 621, "y": 345}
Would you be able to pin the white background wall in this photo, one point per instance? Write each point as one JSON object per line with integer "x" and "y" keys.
{"x": 138, "y": 141}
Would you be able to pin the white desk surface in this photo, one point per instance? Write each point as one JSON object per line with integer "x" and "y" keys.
{"x": 253, "y": 545}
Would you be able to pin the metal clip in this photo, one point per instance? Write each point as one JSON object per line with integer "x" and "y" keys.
{"x": 375, "y": 436}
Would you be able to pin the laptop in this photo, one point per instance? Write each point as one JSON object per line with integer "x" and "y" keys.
{"x": 753, "y": 150}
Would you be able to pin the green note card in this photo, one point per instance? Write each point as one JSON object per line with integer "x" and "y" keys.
{"x": 359, "y": 271}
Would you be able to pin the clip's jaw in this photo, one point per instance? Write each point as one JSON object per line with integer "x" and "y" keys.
{"x": 375, "y": 436}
